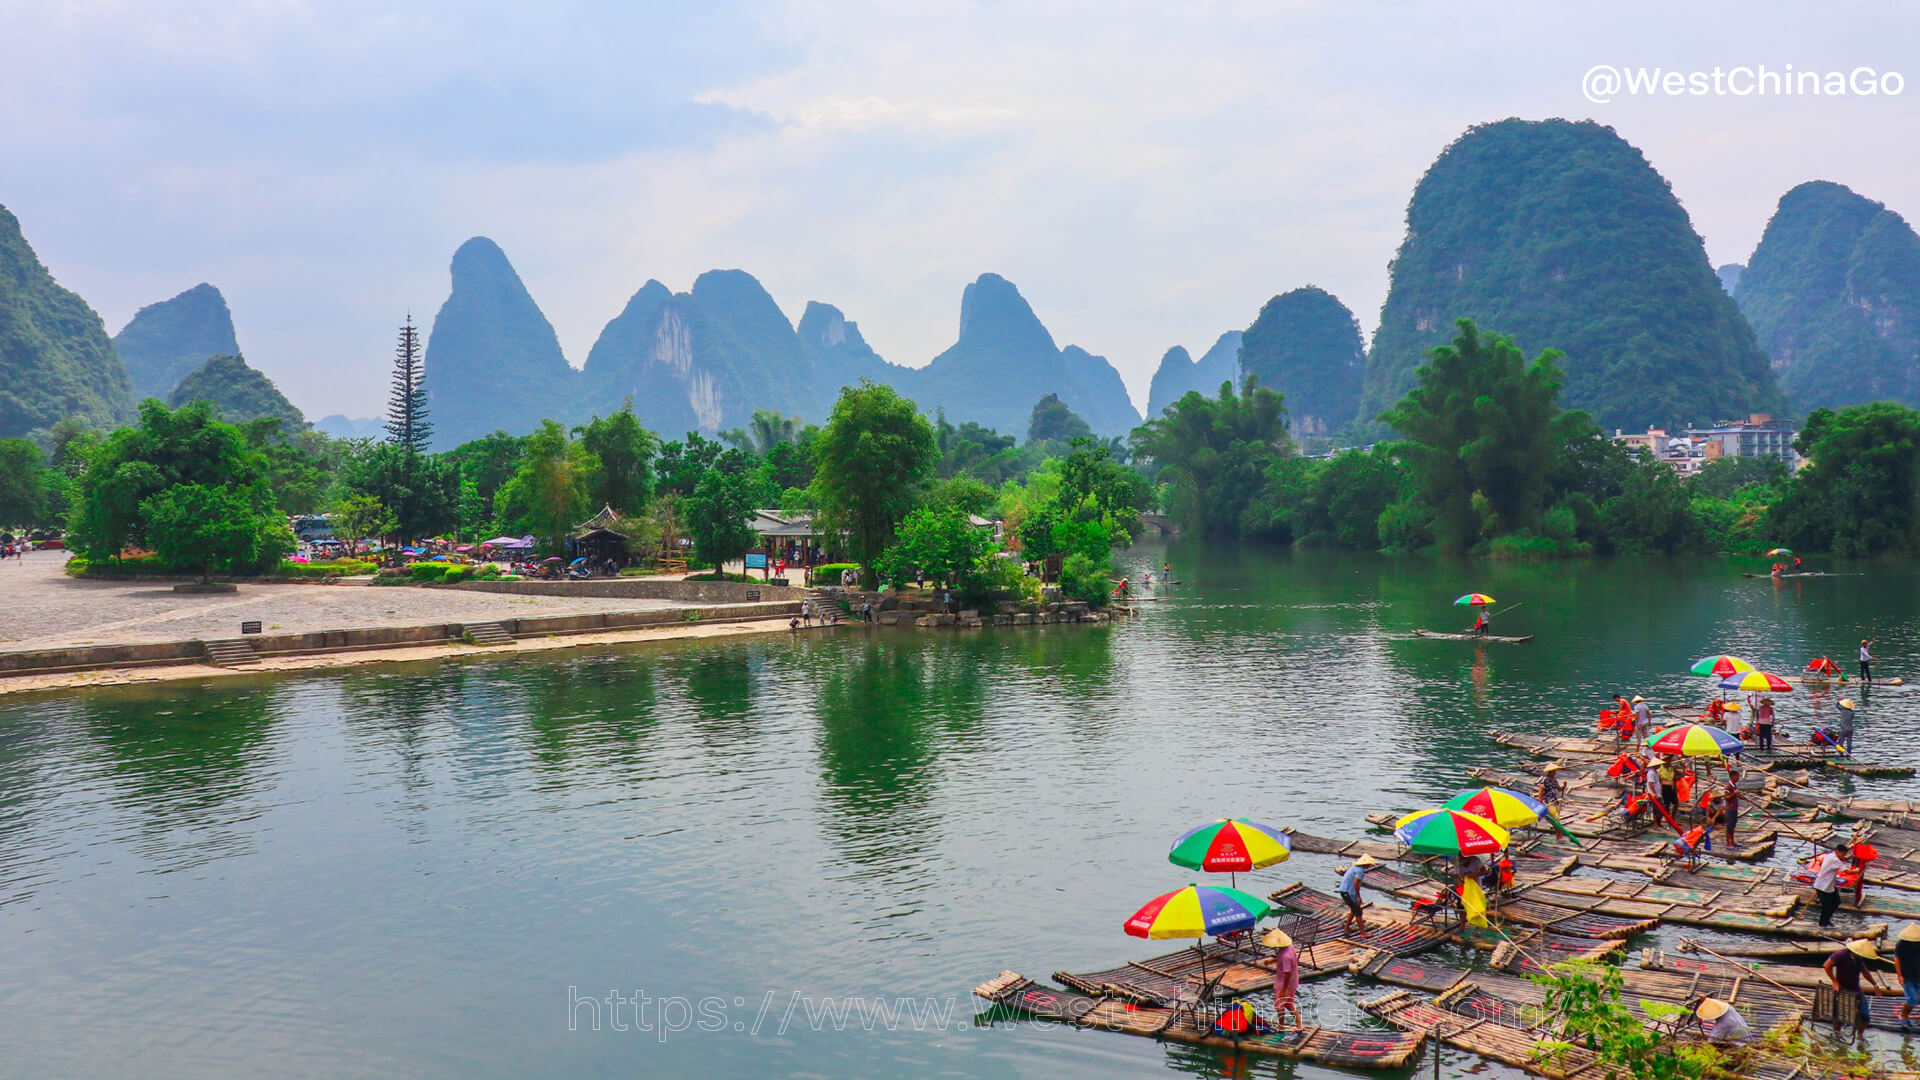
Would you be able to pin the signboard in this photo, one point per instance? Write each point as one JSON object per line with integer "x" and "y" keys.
{"x": 753, "y": 594}
{"x": 756, "y": 560}
{"x": 249, "y": 627}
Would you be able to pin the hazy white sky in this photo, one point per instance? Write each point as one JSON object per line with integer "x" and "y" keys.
{"x": 1148, "y": 174}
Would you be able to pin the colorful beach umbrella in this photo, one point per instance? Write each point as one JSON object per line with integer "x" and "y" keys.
{"x": 1695, "y": 740}
{"x": 1196, "y": 911}
{"x": 1475, "y": 599}
{"x": 1230, "y": 846}
{"x": 1780, "y": 553}
{"x": 1720, "y": 666}
{"x": 1442, "y": 831}
{"x": 1505, "y": 808}
{"x": 1756, "y": 682}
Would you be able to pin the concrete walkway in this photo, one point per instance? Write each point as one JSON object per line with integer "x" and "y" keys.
{"x": 45, "y": 609}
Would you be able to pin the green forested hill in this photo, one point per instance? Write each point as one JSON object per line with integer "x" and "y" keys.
{"x": 167, "y": 341}
{"x": 1306, "y": 345}
{"x": 1563, "y": 236}
{"x": 55, "y": 358}
{"x": 237, "y": 393}
{"x": 1833, "y": 291}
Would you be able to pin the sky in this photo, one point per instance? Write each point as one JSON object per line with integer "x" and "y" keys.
{"x": 1147, "y": 173}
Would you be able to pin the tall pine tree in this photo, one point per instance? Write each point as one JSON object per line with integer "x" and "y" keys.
{"x": 407, "y": 404}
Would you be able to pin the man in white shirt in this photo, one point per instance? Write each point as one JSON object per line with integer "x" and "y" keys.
{"x": 1642, "y": 720}
{"x": 1866, "y": 661}
{"x": 1826, "y": 869}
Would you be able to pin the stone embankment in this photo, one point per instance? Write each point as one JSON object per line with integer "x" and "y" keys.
{"x": 891, "y": 610}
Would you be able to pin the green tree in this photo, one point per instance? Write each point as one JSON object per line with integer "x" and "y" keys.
{"x": 1090, "y": 475}
{"x": 1054, "y": 422}
{"x": 965, "y": 494}
{"x": 1857, "y": 497}
{"x": 359, "y": 516}
{"x": 622, "y": 453}
{"x": 24, "y": 480}
{"x": 407, "y": 400}
{"x": 1653, "y": 512}
{"x": 1213, "y": 454}
{"x": 1480, "y": 421}
{"x": 719, "y": 513}
{"x": 683, "y": 463}
{"x": 548, "y": 494}
{"x": 168, "y": 448}
{"x": 422, "y": 491}
{"x": 871, "y": 463}
{"x": 489, "y": 462}
{"x": 938, "y": 541}
{"x": 203, "y": 528}
{"x": 1587, "y": 999}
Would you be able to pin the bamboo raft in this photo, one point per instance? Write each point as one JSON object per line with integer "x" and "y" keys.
{"x": 1443, "y": 635}
{"x": 1324, "y": 1046}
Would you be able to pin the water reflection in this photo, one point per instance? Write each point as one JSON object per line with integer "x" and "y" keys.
{"x": 190, "y": 762}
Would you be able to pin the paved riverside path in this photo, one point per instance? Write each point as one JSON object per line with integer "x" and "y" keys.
{"x": 42, "y": 608}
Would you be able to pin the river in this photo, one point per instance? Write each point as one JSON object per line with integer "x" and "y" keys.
{"x": 423, "y": 869}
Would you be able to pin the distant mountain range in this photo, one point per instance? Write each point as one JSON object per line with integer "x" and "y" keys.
{"x": 1555, "y": 232}
{"x": 1179, "y": 373}
{"x": 1833, "y": 291}
{"x": 704, "y": 360}
{"x": 166, "y": 341}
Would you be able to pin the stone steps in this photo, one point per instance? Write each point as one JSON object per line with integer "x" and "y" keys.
{"x": 232, "y": 652}
{"x": 489, "y": 633}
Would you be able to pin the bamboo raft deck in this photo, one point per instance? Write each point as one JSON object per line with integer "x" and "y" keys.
{"x": 1554, "y": 943}
{"x": 1323, "y": 1046}
{"x": 1580, "y": 750}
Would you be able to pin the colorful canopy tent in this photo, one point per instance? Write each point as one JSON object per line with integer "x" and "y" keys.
{"x": 1441, "y": 831}
{"x": 1695, "y": 740}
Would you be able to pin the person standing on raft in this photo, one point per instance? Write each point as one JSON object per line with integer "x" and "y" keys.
{"x": 1286, "y": 976}
{"x": 1480, "y": 624}
{"x": 1350, "y": 892}
{"x": 1866, "y": 661}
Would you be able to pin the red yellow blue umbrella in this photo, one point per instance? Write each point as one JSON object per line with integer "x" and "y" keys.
{"x": 1230, "y": 845}
{"x": 1196, "y": 911}
{"x": 1780, "y": 553}
{"x": 1695, "y": 740}
{"x": 1756, "y": 682}
{"x": 1720, "y": 666}
{"x": 1505, "y": 808}
{"x": 1475, "y": 599}
{"x": 1442, "y": 831}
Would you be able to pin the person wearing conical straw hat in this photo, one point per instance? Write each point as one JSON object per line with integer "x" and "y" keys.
{"x": 1642, "y": 719}
{"x": 1906, "y": 963}
{"x": 1550, "y": 790}
{"x": 1350, "y": 891}
{"x": 1286, "y": 976}
{"x": 1845, "y": 967}
{"x": 1723, "y": 1023}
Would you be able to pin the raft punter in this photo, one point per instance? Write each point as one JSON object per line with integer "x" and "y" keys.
{"x": 1350, "y": 891}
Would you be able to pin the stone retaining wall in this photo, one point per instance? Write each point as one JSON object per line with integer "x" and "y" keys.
{"x": 639, "y": 588}
{"x": 87, "y": 657}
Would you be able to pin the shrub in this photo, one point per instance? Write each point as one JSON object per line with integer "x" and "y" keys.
{"x": 486, "y": 572}
{"x": 1082, "y": 577}
{"x": 81, "y": 566}
{"x": 427, "y": 572}
{"x": 829, "y": 573}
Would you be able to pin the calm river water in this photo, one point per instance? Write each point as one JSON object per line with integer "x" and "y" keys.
{"x": 417, "y": 869}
